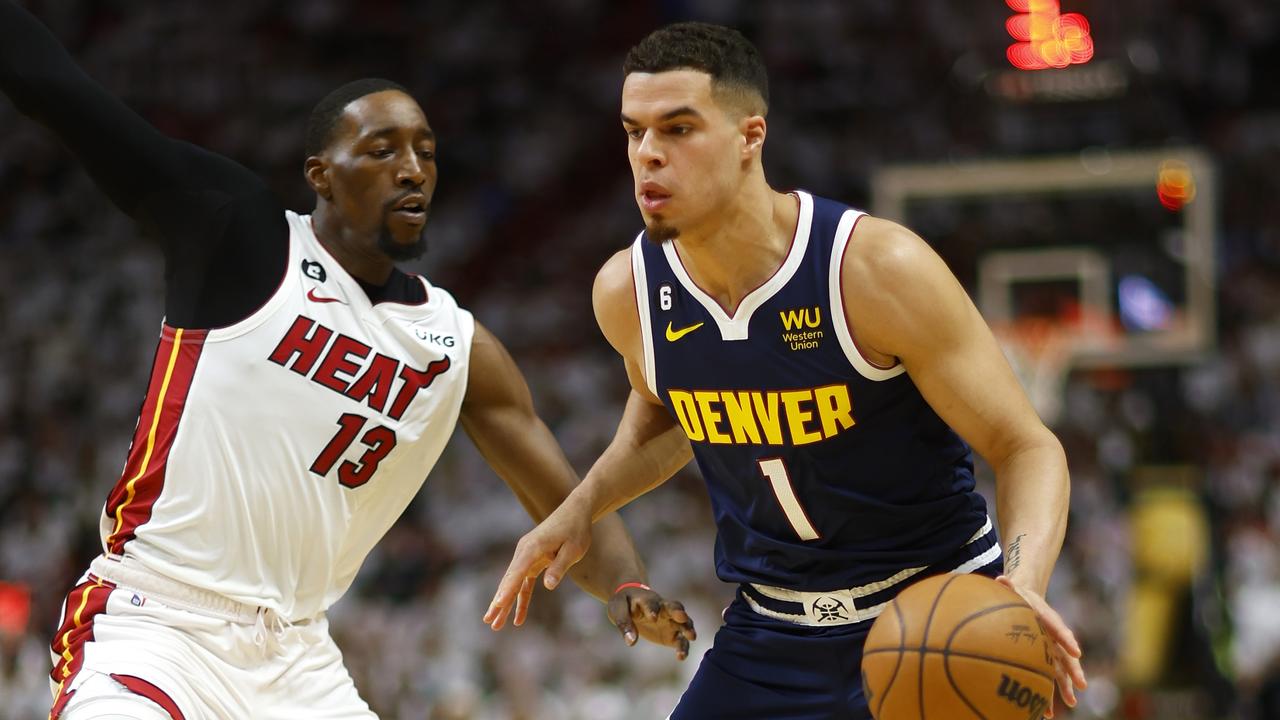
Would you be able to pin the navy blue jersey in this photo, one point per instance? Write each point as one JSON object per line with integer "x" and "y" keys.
{"x": 825, "y": 471}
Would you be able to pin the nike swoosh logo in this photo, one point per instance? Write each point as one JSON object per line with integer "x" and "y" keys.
{"x": 313, "y": 297}
{"x": 674, "y": 335}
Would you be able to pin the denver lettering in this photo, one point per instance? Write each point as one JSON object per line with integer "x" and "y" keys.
{"x": 754, "y": 417}
{"x": 342, "y": 368}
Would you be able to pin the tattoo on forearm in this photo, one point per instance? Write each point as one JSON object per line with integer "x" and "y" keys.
{"x": 1013, "y": 558}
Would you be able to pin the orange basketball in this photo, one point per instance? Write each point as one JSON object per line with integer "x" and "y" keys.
{"x": 958, "y": 647}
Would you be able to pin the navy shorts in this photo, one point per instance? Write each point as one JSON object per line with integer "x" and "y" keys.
{"x": 760, "y": 668}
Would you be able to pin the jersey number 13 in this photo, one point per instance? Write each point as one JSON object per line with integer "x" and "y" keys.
{"x": 379, "y": 440}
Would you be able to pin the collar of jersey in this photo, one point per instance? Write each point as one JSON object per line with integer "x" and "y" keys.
{"x": 735, "y": 327}
{"x": 344, "y": 283}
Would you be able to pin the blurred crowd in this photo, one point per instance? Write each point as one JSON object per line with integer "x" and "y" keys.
{"x": 534, "y": 195}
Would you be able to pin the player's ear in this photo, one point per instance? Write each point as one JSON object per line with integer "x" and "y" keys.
{"x": 754, "y": 129}
{"x": 316, "y": 170}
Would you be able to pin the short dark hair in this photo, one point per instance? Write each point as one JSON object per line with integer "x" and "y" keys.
{"x": 733, "y": 63}
{"x": 324, "y": 116}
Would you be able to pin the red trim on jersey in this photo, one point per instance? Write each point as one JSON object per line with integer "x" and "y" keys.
{"x": 84, "y": 603}
{"x": 130, "y": 502}
{"x": 635, "y": 296}
{"x": 847, "y": 321}
{"x": 138, "y": 686}
{"x": 791, "y": 246}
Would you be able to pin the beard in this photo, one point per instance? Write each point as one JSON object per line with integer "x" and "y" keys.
{"x": 399, "y": 252}
{"x": 659, "y": 232}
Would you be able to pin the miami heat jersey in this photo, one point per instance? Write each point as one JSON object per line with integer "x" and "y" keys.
{"x": 272, "y": 454}
{"x": 825, "y": 471}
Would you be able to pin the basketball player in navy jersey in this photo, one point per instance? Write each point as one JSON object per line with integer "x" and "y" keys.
{"x": 828, "y": 374}
{"x": 302, "y": 390}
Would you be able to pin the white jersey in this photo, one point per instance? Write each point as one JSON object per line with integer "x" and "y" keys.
{"x": 271, "y": 455}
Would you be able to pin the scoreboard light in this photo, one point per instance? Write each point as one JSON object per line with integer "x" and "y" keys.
{"x": 1046, "y": 37}
{"x": 1175, "y": 185}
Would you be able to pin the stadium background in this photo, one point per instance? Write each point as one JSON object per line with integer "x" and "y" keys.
{"x": 534, "y": 194}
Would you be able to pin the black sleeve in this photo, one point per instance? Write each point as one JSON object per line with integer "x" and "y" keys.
{"x": 223, "y": 234}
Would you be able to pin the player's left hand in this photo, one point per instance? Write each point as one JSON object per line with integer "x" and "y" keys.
{"x": 642, "y": 613}
{"x": 1066, "y": 655}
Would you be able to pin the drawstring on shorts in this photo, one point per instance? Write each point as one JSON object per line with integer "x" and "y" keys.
{"x": 269, "y": 629}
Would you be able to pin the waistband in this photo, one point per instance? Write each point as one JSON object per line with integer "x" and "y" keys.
{"x": 865, "y": 602}
{"x": 128, "y": 573}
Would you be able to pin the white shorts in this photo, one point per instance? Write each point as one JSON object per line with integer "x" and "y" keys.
{"x": 193, "y": 654}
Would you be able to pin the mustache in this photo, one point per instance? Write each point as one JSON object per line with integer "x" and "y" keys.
{"x": 426, "y": 202}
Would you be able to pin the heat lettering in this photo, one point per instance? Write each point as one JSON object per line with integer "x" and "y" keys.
{"x": 343, "y": 364}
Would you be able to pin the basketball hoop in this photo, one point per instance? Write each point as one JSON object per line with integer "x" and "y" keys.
{"x": 1039, "y": 349}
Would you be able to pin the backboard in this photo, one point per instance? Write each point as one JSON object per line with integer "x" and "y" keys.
{"x": 1101, "y": 244}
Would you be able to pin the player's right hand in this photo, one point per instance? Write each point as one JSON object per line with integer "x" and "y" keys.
{"x": 1066, "y": 650}
{"x": 555, "y": 545}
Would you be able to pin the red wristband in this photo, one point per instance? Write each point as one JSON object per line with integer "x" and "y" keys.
{"x": 626, "y": 585}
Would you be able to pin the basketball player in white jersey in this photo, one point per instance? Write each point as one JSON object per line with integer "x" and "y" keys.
{"x": 302, "y": 389}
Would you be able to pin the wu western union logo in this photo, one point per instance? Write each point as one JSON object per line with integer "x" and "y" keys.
{"x": 802, "y": 318}
{"x": 753, "y": 417}
{"x": 795, "y": 323}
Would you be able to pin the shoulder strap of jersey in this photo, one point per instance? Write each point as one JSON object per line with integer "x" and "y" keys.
{"x": 839, "y": 321}
{"x": 640, "y": 281}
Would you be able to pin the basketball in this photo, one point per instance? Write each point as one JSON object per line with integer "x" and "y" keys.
{"x": 958, "y": 647}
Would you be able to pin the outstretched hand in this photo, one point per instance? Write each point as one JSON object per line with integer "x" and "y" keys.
{"x": 1066, "y": 651}
{"x": 555, "y": 545}
{"x": 641, "y": 612}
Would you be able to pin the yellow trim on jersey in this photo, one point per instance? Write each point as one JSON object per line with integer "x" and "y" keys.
{"x": 151, "y": 436}
{"x": 76, "y": 623}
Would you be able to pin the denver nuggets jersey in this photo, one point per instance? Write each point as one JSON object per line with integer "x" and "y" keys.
{"x": 271, "y": 455}
{"x": 825, "y": 471}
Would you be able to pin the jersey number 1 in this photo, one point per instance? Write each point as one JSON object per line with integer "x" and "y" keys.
{"x": 380, "y": 440}
{"x": 776, "y": 471}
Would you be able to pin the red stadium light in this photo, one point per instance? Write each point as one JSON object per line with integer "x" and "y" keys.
{"x": 1046, "y": 37}
{"x": 1175, "y": 185}
{"x": 15, "y": 609}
